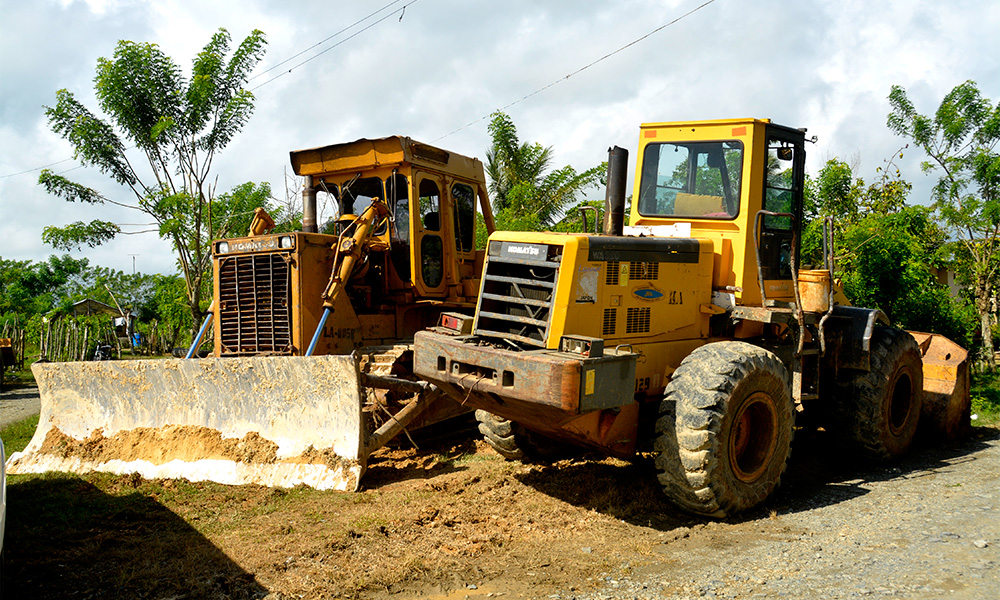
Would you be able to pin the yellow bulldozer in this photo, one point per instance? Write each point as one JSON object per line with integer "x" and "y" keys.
{"x": 311, "y": 367}
{"x": 693, "y": 333}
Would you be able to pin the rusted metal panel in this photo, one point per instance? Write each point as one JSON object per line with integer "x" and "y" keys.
{"x": 947, "y": 404}
{"x": 571, "y": 383}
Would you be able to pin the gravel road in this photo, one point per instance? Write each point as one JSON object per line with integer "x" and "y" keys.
{"x": 17, "y": 404}
{"x": 925, "y": 528}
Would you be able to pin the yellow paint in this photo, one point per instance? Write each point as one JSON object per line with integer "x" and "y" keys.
{"x": 589, "y": 385}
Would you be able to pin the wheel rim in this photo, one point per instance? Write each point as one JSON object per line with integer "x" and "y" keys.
{"x": 900, "y": 403}
{"x": 754, "y": 437}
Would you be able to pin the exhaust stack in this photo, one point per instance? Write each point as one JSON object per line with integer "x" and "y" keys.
{"x": 614, "y": 200}
{"x": 309, "y": 206}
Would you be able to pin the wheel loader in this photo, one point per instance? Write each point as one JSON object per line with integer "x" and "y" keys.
{"x": 694, "y": 333}
{"x": 311, "y": 367}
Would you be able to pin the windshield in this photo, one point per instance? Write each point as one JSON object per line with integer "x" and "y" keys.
{"x": 697, "y": 179}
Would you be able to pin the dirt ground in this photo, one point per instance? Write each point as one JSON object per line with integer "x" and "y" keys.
{"x": 453, "y": 520}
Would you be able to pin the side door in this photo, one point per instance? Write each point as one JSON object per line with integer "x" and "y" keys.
{"x": 783, "y": 193}
{"x": 430, "y": 229}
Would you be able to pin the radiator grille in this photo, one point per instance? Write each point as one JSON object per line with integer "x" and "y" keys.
{"x": 610, "y": 316}
{"x": 637, "y": 320}
{"x": 254, "y": 309}
{"x": 516, "y": 301}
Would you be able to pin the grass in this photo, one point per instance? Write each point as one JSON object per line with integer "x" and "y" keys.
{"x": 986, "y": 398}
{"x": 17, "y": 435}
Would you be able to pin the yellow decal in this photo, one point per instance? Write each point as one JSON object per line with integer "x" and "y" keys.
{"x": 589, "y": 385}
{"x": 623, "y": 274}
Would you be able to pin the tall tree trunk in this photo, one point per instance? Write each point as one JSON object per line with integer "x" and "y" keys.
{"x": 984, "y": 295}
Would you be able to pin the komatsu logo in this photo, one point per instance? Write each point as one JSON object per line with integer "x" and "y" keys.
{"x": 254, "y": 245}
{"x": 529, "y": 250}
{"x": 525, "y": 251}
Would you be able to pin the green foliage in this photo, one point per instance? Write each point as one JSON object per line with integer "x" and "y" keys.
{"x": 960, "y": 141}
{"x": 519, "y": 180}
{"x": 886, "y": 264}
{"x": 30, "y": 291}
{"x": 985, "y": 394}
{"x": 508, "y": 219}
{"x": 178, "y": 125}
{"x": 28, "y": 288}
{"x": 76, "y": 234}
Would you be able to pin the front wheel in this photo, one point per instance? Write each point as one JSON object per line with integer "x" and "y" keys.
{"x": 725, "y": 429}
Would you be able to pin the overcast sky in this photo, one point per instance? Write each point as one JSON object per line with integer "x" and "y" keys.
{"x": 445, "y": 65}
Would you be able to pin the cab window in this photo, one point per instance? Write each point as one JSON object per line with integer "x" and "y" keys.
{"x": 693, "y": 180}
{"x": 430, "y": 205}
{"x": 398, "y": 200}
{"x": 431, "y": 246}
{"x": 465, "y": 216}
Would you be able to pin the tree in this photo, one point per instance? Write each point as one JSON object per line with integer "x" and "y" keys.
{"x": 520, "y": 180}
{"x": 888, "y": 261}
{"x": 178, "y": 125}
{"x": 960, "y": 140}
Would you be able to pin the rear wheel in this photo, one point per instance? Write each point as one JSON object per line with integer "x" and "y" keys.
{"x": 725, "y": 429}
{"x": 882, "y": 406}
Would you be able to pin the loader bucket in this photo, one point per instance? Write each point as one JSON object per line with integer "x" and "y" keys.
{"x": 947, "y": 403}
{"x": 275, "y": 421}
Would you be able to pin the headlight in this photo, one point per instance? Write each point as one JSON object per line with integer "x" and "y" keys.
{"x": 223, "y": 247}
{"x": 286, "y": 241}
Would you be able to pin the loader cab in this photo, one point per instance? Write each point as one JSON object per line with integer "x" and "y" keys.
{"x": 712, "y": 179}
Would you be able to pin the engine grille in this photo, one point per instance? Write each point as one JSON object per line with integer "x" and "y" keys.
{"x": 516, "y": 302}
{"x": 254, "y": 309}
{"x": 637, "y": 320}
{"x": 610, "y": 319}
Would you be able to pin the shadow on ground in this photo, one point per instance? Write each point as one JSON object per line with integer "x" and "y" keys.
{"x": 65, "y": 538}
{"x": 819, "y": 474}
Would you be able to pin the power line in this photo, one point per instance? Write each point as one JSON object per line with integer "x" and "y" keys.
{"x": 323, "y": 41}
{"x": 581, "y": 69}
{"x": 341, "y": 42}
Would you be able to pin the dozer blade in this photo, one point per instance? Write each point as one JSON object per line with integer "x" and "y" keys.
{"x": 275, "y": 421}
{"x": 947, "y": 403}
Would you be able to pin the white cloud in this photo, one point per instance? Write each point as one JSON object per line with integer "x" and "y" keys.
{"x": 823, "y": 64}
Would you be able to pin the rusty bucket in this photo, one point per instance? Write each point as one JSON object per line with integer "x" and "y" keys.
{"x": 814, "y": 290}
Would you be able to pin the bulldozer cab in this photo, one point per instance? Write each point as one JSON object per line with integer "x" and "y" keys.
{"x": 431, "y": 195}
{"x": 417, "y": 257}
{"x": 712, "y": 180}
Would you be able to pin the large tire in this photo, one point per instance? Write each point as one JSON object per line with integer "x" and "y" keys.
{"x": 882, "y": 406}
{"x": 725, "y": 429}
{"x": 514, "y": 442}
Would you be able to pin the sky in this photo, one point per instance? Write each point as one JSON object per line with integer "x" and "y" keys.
{"x": 577, "y": 75}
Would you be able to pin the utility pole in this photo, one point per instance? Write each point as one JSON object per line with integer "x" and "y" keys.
{"x": 133, "y": 262}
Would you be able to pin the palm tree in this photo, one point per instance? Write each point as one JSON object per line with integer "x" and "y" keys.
{"x": 519, "y": 182}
